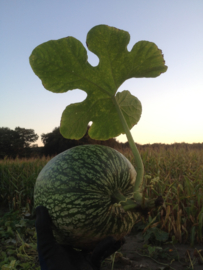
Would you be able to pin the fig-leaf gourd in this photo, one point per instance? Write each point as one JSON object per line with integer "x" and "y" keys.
{"x": 78, "y": 186}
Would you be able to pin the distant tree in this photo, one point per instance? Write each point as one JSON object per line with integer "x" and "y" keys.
{"x": 55, "y": 143}
{"x": 8, "y": 139}
{"x": 34, "y": 146}
{"x": 16, "y": 142}
{"x": 26, "y": 136}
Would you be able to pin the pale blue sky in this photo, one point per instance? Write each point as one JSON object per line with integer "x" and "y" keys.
{"x": 172, "y": 103}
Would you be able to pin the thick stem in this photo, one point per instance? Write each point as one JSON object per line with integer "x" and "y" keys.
{"x": 130, "y": 204}
{"x": 138, "y": 160}
{"x": 126, "y": 203}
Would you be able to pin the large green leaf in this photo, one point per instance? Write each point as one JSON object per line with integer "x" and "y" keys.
{"x": 62, "y": 65}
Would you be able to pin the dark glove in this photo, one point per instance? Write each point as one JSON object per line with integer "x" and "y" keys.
{"x": 53, "y": 256}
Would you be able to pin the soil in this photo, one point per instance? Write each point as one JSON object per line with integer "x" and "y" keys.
{"x": 130, "y": 257}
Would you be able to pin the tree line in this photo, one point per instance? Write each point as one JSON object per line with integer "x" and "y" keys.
{"x": 16, "y": 142}
{"x": 20, "y": 143}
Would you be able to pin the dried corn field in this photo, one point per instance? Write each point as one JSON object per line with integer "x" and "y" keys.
{"x": 175, "y": 173}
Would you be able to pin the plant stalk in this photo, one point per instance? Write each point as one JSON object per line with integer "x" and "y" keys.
{"x": 126, "y": 203}
{"x": 138, "y": 160}
{"x": 130, "y": 203}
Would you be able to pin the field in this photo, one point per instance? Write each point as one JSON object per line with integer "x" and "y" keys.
{"x": 173, "y": 232}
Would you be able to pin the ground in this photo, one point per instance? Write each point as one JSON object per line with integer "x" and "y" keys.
{"x": 136, "y": 254}
{"x": 184, "y": 257}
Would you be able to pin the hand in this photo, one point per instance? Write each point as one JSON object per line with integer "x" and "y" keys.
{"x": 53, "y": 256}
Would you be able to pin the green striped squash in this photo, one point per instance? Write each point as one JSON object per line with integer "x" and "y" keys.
{"x": 77, "y": 186}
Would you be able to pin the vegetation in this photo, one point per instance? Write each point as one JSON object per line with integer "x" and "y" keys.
{"x": 177, "y": 174}
{"x": 170, "y": 173}
{"x": 18, "y": 245}
{"x": 55, "y": 143}
{"x": 180, "y": 220}
{"x": 16, "y": 142}
{"x": 111, "y": 113}
{"x": 18, "y": 177}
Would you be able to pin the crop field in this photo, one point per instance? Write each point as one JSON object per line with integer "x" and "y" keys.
{"x": 174, "y": 173}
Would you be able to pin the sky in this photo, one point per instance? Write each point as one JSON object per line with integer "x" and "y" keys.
{"x": 172, "y": 103}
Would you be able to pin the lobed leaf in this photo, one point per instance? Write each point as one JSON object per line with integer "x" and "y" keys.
{"x": 62, "y": 65}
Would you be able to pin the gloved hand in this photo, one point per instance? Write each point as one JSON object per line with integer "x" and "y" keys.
{"x": 53, "y": 256}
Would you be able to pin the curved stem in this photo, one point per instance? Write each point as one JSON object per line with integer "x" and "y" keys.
{"x": 130, "y": 203}
{"x": 126, "y": 203}
{"x": 138, "y": 160}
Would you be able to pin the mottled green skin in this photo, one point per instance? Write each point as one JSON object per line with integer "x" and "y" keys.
{"x": 77, "y": 186}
